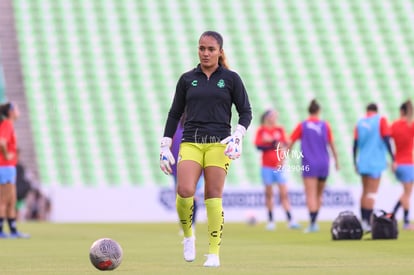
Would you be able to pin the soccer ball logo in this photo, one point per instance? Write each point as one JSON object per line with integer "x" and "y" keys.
{"x": 105, "y": 254}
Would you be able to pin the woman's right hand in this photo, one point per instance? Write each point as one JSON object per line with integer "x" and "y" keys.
{"x": 166, "y": 157}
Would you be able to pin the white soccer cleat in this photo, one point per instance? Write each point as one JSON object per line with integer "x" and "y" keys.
{"x": 212, "y": 260}
{"x": 312, "y": 228}
{"x": 189, "y": 249}
{"x": 365, "y": 226}
{"x": 294, "y": 225}
{"x": 271, "y": 226}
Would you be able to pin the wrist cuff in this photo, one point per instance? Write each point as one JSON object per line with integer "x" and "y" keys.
{"x": 166, "y": 142}
{"x": 240, "y": 129}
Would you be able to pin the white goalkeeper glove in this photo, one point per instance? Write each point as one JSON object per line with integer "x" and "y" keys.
{"x": 166, "y": 157}
{"x": 234, "y": 143}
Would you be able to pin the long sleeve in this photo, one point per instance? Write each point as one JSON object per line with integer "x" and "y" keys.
{"x": 242, "y": 103}
{"x": 176, "y": 110}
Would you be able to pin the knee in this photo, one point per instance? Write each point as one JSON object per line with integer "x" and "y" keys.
{"x": 269, "y": 193}
{"x": 408, "y": 192}
{"x": 185, "y": 191}
{"x": 283, "y": 193}
{"x": 269, "y": 196}
{"x": 372, "y": 196}
{"x": 12, "y": 203}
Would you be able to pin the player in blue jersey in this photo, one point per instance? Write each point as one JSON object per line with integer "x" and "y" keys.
{"x": 371, "y": 143}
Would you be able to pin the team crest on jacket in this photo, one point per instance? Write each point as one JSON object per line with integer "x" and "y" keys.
{"x": 221, "y": 84}
{"x": 194, "y": 83}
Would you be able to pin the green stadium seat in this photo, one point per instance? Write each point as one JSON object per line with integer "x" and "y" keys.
{"x": 96, "y": 59}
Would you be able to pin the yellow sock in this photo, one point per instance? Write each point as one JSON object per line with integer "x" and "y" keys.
{"x": 215, "y": 216}
{"x": 185, "y": 213}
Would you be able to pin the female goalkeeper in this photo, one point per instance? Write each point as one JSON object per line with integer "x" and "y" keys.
{"x": 206, "y": 93}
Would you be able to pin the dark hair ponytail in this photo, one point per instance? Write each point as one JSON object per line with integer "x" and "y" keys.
{"x": 314, "y": 107}
{"x": 223, "y": 60}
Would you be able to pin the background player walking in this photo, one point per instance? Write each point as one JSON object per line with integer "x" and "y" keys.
{"x": 271, "y": 140}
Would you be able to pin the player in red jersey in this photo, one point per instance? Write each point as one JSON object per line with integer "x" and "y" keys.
{"x": 270, "y": 139}
{"x": 8, "y": 160}
{"x": 402, "y": 132}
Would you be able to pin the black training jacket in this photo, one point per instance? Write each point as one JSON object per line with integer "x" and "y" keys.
{"x": 208, "y": 103}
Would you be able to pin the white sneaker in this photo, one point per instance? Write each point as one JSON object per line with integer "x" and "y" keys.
{"x": 313, "y": 227}
{"x": 293, "y": 225}
{"x": 365, "y": 226}
{"x": 270, "y": 226}
{"x": 212, "y": 260}
{"x": 189, "y": 249}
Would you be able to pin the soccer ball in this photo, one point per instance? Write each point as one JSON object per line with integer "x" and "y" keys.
{"x": 251, "y": 218}
{"x": 105, "y": 254}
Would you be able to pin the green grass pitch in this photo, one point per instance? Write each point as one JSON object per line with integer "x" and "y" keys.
{"x": 156, "y": 249}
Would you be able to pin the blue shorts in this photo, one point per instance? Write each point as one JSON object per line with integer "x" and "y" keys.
{"x": 271, "y": 176}
{"x": 7, "y": 174}
{"x": 374, "y": 175}
{"x": 405, "y": 173}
